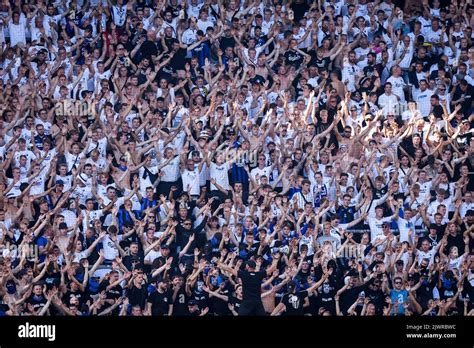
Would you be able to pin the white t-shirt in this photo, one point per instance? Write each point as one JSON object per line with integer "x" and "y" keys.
{"x": 430, "y": 254}
{"x": 29, "y": 156}
{"x": 17, "y": 33}
{"x": 16, "y": 188}
{"x": 404, "y": 226}
{"x": 38, "y": 185}
{"x": 191, "y": 181}
{"x": 397, "y": 86}
{"x": 73, "y": 160}
{"x": 101, "y": 146}
{"x": 260, "y": 172}
{"x": 91, "y": 217}
{"x": 171, "y": 170}
{"x": 110, "y": 250}
{"x": 375, "y": 225}
{"x": 220, "y": 174}
{"x": 423, "y": 100}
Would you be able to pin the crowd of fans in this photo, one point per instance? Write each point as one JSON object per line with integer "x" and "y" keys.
{"x": 153, "y": 149}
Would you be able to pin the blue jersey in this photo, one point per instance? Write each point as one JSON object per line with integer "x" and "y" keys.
{"x": 401, "y": 296}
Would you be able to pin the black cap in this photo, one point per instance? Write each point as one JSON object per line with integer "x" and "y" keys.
{"x": 192, "y": 303}
{"x": 251, "y": 264}
{"x": 291, "y": 285}
{"x": 158, "y": 279}
{"x": 63, "y": 226}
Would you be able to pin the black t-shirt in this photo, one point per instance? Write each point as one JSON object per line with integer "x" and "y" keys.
{"x": 326, "y": 294}
{"x": 293, "y": 58}
{"x": 377, "y": 298}
{"x": 236, "y": 302}
{"x": 201, "y": 298}
{"x": 179, "y": 59}
{"x": 320, "y": 63}
{"x": 294, "y": 303}
{"x": 137, "y": 296}
{"x": 251, "y": 285}
{"x": 78, "y": 294}
{"x": 179, "y": 305}
{"x": 258, "y": 79}
{"x": 349, "y": 296}
{"x": 112, "y": 293}
{"x": 148, "y": 49}
{"x": 467, "y": 103}
{"x": 299, "y": 10}
{"x": 160, "y": 302}
{"x": 52, "y": 279}
{"x": 133, "y": 261}
{"x": 37, "y": 302}
{"x": 219, "y": 306}
{"x": 227, "y": 42}
{"x": 438, "y": 111}
{"x": 456, "y": 241}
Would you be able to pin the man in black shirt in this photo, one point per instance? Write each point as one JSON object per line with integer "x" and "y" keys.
{"x": 293, "y": 302}
{"x": 251, "y": 285}
{"x": 463, "y": 95}
{"x": 37, "y": 300}
{"x": 160, "y": 302}
{"x": 179, "y": 296}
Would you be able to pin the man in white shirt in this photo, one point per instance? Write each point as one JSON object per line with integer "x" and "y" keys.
{"x": 17, "y": 27}
{"x": 169, "y": 171}
{"x": 22, "y": 151}
{"x": 194, "y": 8}
{"x": 378, "y": 223}
{"x": 423, "y": 98}
{"x": 406, "y": 226}
{"x": 203, "y": 23}
{"x": 349, "y": 71}
{"x": 304, "y": 196}
{"x": 190, "y": 177}
{"x": 397, "y": 83}
{"x": 440, "y": 200}
{"x": 261, "y": 170}
{"x": 388, "y": 101}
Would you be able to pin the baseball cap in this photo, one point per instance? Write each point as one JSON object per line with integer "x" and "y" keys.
{"x": 63, "y": 226}
{"x": 59, "y": 182}
{"x": 158, "y": 279}
{"x": 192, "y": 303}
{"x": 251, "y": 264}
